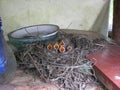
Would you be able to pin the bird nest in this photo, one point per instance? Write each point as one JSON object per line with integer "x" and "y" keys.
{"x": 68, "y": 69}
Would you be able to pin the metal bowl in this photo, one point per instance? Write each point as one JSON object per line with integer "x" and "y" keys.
{"x": 32, "y": 34}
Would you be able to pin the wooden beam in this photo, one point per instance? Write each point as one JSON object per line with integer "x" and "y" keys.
{"x": 116, "y": 21}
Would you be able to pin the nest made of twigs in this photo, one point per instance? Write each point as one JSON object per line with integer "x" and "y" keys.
{"x": 71, "y": 70}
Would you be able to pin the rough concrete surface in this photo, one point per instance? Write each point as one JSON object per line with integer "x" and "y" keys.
{"x": 24, "y": 81}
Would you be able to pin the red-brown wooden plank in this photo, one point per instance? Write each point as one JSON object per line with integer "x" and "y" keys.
{"x": 107, "y": 66}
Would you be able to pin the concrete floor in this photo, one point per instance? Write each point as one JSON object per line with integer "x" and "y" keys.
{"x": 24, "y": 81}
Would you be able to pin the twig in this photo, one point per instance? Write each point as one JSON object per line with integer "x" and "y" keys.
{"x": 36, "y": 67}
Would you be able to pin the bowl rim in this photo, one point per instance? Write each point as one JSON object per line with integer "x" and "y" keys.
{"x": 48, "y": 35}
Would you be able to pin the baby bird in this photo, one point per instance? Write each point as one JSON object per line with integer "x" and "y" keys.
{"x": 69, "y": 48}
{"x": 56, "y": 46}
{"x": 49, "y": 47}
{"x": 62, "y": 43}
{"x": 62, "y": 49}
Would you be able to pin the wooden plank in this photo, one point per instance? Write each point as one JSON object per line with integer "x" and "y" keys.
{"x": 107, "y": 66}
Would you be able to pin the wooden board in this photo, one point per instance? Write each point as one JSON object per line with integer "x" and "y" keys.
{"x": 107, "y": 66}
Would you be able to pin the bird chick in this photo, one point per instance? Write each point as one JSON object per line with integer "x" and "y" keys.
{"x": 62, "y": 43}
{"x": 62, "y": 49}
{"x": 49, "y": 47}
{"x": 56, "y": 46}
{"x": 69, "y": 48}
